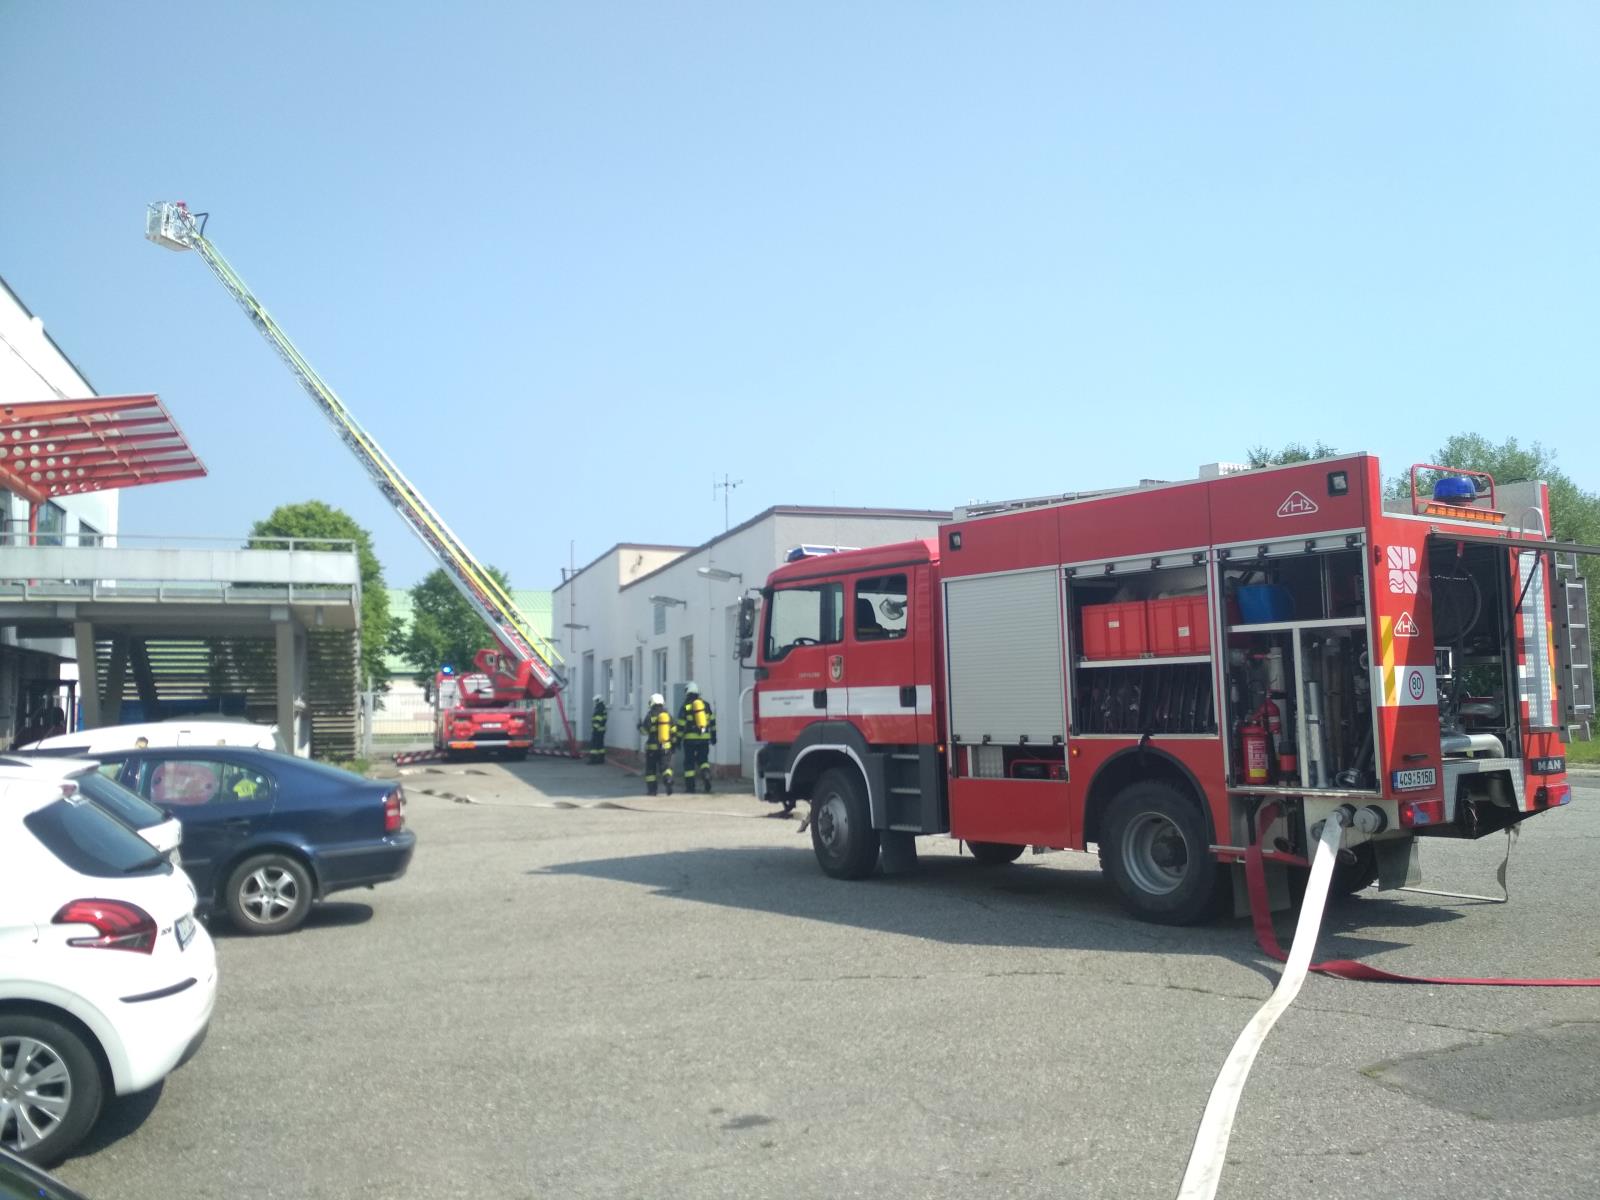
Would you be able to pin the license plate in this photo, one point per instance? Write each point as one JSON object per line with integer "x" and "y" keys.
{"x": 1548, "y": 766}
{"x": 1410, "y": 781}
{"x": 185, "y": 931}
{"x": 491, "y": 725}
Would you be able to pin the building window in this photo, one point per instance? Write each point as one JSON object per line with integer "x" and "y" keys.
{"x": 605, "y": 682}
{"x": 880, "y": 608}
{"x": 660, "y": 671}
{"x": 627, "y": 682}
{"x": 88, "y": 535}
{"x": 52, "y": 520}
{"x": 805, "y": 616}
{"x": 686, "y": 654}
{"x": 660, "y": 618}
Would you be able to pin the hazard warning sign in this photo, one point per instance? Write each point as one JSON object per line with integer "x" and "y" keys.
{"x": 1298, "y": 504}
{"x": 1406, "y": 626}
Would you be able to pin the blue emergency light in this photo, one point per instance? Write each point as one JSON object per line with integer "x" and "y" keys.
{"x": 1455, "y": 489}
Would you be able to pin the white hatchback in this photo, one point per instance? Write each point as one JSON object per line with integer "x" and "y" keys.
{"x": 107, "y": 981}
{"x": 161, "y": 830}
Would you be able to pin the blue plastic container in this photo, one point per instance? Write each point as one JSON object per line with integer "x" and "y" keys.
{"x": 1263, "y": 602}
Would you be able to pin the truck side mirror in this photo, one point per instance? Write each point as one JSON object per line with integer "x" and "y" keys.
{"x": 747, "y": 623}
{"x": 747, "y": 647}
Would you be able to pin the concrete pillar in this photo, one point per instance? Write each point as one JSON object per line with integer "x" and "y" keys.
{"x": 88, "y": 674}
{"x": 290, "y": 660}
{"x": 144, "y": 678}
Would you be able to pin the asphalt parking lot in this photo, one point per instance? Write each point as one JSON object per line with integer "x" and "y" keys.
{"x": 579, "y": 993}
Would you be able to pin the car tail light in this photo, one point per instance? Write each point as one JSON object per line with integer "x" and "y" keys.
{"x": 394, "y": 811}
{"x": 117, "y": 924}
{"x": 1421, "y": 812}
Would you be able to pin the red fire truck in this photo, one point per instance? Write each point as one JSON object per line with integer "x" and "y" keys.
{"x": 1144, "y": 669}
{"x": 486, "y": 711}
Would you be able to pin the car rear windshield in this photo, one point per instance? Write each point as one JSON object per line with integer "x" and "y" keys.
{"x": 119, "y": 801}
{"x": 92, "y": 842}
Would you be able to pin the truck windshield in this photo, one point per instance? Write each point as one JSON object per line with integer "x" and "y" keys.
{"x": 805, "y": 616}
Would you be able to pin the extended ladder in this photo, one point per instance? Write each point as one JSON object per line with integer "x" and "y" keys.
{"x": 173, "y": 226}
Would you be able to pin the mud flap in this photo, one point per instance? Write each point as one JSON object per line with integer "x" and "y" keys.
{"x": 1399, "y": 863}
{"x": 1278, "y": 898}
{"x": 898, "y": 854}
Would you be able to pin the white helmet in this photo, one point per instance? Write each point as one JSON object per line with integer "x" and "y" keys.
{"x": 691, "y": 688}
{"x": 657, "y": 698}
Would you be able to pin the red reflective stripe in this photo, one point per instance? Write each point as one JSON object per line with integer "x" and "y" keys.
{"x": 1344, "y": 968}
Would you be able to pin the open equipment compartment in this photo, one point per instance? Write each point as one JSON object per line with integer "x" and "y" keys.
{"x": 1299, "y": 684}
{"x": 1141, "y": 650}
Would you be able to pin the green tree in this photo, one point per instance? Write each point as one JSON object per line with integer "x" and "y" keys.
{"x": 313, "y": 519}
{"x": 444, "y": 628}
{"x": 1294, "y": 452}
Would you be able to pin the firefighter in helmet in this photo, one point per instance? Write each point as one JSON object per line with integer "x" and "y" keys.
{"x": 597, "y": 733}
{"x": 697, "y": 730}
{"x": 657, "y": 730}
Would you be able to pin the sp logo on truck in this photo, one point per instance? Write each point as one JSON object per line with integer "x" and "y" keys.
{"x": 1297, "y": 505}
{"x": 1402, "y": 563}
{"x": 836, "y": 667}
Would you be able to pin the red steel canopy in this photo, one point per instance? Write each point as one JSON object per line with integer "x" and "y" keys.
{"x": 65, "y": 447}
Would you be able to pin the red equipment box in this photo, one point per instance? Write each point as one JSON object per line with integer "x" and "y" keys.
{"x": 1178, "y": 625}
{"x": 1115, "y": 630}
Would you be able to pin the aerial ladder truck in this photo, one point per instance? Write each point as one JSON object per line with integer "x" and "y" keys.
{"x": 527, "y": 668}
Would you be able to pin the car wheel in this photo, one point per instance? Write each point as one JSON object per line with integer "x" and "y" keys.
{"x": 842, "y": 835}
{"x": 995, "y": 854}
{"x": 270, "y": 893}
{"x": 1155, "y": 849}
{"x": 50, "y": 1088}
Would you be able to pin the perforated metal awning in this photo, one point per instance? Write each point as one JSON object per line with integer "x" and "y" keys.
{"x": 67, "y": 447}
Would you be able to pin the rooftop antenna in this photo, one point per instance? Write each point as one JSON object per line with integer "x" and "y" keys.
{"x": 725, "y": 487}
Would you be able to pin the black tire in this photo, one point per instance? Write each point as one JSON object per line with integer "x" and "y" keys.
{"x": 50, "y": 1047}
{"x": 267, "y": 894}
{"x": 1350, "y": 878}
{"x": 1155, "y": 849}
{"x": 995, "y": 854}
{"x": 842, "y": 835}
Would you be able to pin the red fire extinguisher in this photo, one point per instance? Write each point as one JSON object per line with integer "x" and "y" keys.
{"x": 1253, "y": 749}
{"x": 1271, "y": 717}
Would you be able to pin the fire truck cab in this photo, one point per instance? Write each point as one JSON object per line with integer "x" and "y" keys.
{"x": 1143, "y": 670}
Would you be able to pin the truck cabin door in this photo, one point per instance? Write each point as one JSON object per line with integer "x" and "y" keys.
{"x": 803, "y": 652}
{"x": 881, "y": 662}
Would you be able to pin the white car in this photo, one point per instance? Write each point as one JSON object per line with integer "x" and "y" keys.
{"x": 162, "y": 830}
{"x": 107, "y": 981}
{"x": 180, "y": 731}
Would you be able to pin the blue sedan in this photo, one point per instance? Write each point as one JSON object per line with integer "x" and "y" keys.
{"x": 265, "y": 835}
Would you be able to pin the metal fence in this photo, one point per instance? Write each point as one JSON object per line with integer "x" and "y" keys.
{"x": 395, "y": 721}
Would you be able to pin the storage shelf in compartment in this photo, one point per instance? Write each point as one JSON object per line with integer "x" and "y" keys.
{"x": 1098, "y": 663}
{"x": 1290, "y": 626}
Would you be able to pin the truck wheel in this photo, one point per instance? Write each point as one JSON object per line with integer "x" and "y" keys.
{"x": 1352, "y": 877}
{"x": 995, "y": 854}
{"x": 52, "y": 1091}
{"x": 842, "y": 835}
{"x": 1154, "y": 848}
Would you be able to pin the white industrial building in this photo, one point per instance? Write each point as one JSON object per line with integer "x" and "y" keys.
{"x": 649, "y": 618}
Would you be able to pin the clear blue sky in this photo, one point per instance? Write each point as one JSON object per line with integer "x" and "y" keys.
{"x": 569, "y": 262}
